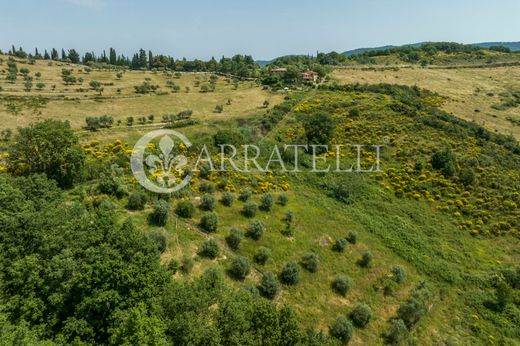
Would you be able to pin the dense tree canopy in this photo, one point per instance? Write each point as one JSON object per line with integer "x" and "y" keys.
{"x": 49, "y": 147}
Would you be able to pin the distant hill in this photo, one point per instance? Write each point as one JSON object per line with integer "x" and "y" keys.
{"x": 514, "y": 46}
{"x": 263, "y": 63}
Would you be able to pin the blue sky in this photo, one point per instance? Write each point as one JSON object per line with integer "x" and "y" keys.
{"x": 264, "y": 29}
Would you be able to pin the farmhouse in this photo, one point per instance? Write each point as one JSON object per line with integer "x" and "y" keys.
{"x": 309, "y": 76}
{"x": 279, "y": 70}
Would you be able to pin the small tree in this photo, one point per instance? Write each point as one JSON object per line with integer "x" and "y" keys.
{"x": 227, "y": 199}
{"x": 366, "y": 259}
{"x": 256, "y": 229}
{"x": 283, "y": 199}
{"x": 209, "y": 248}
{"x": 234, "y": 238}
{"x": 95, "y": 85}
{"x": 160, "y": 241}
{"x": 361, "y": 315}
{"x": 310, "y": 262}
{"x": 207, "y": 202}
{"x": 269, "y": 286}
{"x": 266, "y": 202}
{"x": 262, "y": 255}
{"x": 266, "y": 104}
{"x": 40, "y": 86}
{"x": 239, "y": 267}
{"x": 245, "y": 195}
{"x": 342, "y": 329}
{"x": 209, "y": 222}
{"x": 219, "y": 108}
{"x": 28, "y": 85}
{"x": 185, "y": 209}
{"x": 250, "y": 209}
{"x": 351, "y": 237}
{"x": 399, "y": 274}
{"x": 503, "y": 293}
{"x": 290, "y": 273}
{"x": 159, "y": 216}
{"x": 339, "y": 245}
{"x": 342, "y": 284}
{"x": 397, "y": 332}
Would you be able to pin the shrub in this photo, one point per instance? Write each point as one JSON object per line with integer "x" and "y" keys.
{"x": 209, "y": 248}
{"x": 466, "y": 176}
{"x": 415, "y": 307}
{"x": 342, "y": 284}
{"x": 209, "y": 222}
{"x": 503, "y": 293}
{"x": 185, "y": 209}
{"x": 256, "y": 229}
{"x": 186, "y": 264}
{"x": 208, "y": 203}
{"x": 262, "y": 255}
{"x": 283, "y": 200}
{"x": 136, "y": 200}
{"x": 342, "y": 329}
{"x": 239, "y": 267}
{"x": 339, "y": 245}
{"x": 159, "y": 216}
{"x": 227, "y": 199}
{"x": 207, "y": 187}
{"x": 160, "y": 241}
{"x": 366, "y": 259}
{"x": 234, "y": 238}
{"x": 108, "y": 184}
{"x": 351, "y": 237}
{"x": 266, "y": 202}
{"x": 399, "y": 274}
{"x": 444, "y": 161}
{"x": 361, "y": 315}
{"x": 269, "y": 286}
{"x": 310, "y": 262}
{"x": 397, "y": 332}
{"x": 250, "y": 209}
{"x": 290, "y": 273}
{"x": 245, "y": 195}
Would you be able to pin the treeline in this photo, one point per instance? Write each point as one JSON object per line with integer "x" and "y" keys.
{"x": 414, "y": 53}
{"x": 239, "y": 65}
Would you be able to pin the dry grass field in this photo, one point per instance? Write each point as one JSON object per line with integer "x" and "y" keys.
{"x": 118, "y": 98}
{"x": 469, "y": 93}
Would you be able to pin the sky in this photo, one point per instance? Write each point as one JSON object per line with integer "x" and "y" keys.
{"x": 264, "y": 29}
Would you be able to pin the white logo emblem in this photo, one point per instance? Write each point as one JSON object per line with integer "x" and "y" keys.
{"x": 166, "y": 167}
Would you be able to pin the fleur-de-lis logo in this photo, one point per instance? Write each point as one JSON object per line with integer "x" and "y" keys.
{"x": 164, "y": 166}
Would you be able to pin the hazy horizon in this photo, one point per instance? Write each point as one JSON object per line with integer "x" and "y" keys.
{"x": 264, "y": 30}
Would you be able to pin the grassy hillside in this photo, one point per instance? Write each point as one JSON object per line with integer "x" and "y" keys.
{"x": 432, "y": 240}
{"x": 481, "y": 95}
{"x": 453, "y": 236}
{"x": 74, "y": 102}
